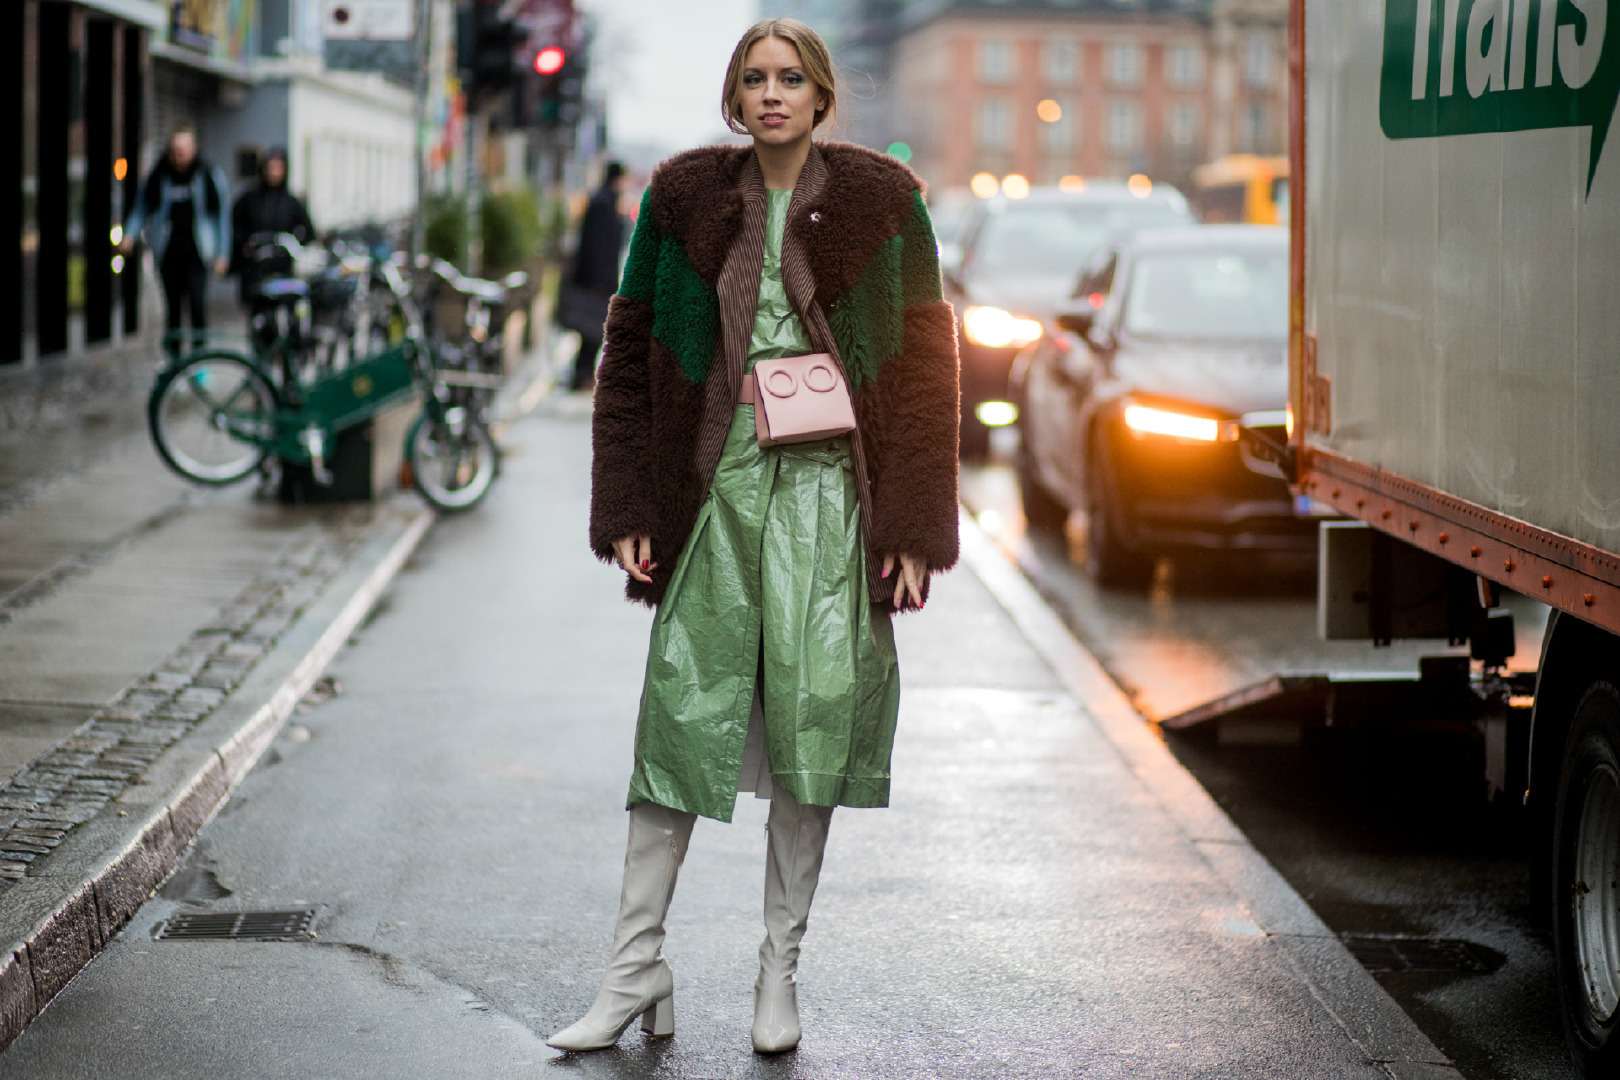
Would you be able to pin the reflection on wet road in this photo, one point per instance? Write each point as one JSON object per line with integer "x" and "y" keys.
{"x": 1383, "y": 832}
{"x": 1209, "y": 625}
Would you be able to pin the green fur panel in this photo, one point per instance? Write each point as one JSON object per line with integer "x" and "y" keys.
{"x": 920, "y": 269}
{"x": 641, "y": 265}
{"x": 686, "y": 311}
{"x": 868, "y": 321}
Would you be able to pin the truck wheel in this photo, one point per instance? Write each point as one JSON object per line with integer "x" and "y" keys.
{"x": 1041, "y": 510}
{"x": 1111, "y": 560}
{"x": 1586, "y": 903}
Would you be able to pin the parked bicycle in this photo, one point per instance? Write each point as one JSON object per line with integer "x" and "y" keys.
{"x": 219, "y": 410}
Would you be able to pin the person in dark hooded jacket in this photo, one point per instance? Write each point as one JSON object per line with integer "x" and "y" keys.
{"x": 267, "y": 208}
{"x": 596, "y": 262}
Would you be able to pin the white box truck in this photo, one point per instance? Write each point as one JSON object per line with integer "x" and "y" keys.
{"x": 1455, "y": 379}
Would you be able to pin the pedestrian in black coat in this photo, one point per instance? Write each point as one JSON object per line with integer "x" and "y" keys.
{"x": 596, "y": 262}
{"x": 268, "y": 208}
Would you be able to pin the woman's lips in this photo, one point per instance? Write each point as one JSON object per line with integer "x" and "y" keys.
{"x": 773, "y": 119}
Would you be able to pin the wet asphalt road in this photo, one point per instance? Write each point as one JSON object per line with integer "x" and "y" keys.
{"x": 1382, "y": 834}
{"x": 1026, "y": 909}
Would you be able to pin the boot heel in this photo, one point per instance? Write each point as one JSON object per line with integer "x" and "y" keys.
{"x": 659, "y": 1021}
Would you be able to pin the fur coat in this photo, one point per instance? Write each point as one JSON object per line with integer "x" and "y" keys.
{"x": 861, "y": 268}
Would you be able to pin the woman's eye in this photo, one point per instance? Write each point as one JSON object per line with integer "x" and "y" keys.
{"x": 793, "y": 80}
{"x": 752, "y": 80}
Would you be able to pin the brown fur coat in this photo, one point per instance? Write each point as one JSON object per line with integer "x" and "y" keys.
{"x": 861, "y": 269}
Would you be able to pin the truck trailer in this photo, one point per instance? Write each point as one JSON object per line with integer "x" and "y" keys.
{"x": 1455, "y": 391}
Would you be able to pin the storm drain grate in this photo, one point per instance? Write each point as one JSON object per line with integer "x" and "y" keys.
{"x": 1381, "y": 954}
{"x": 239, "y": 926}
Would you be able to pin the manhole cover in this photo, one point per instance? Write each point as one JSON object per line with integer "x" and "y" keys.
{"x": 1379, "y": 954}
{"x": 239, "y": 926}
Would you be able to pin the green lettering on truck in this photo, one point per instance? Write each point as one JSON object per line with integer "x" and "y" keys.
{"x": 1462, "y": 67}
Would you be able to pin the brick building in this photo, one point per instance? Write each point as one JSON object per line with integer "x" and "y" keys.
{"x": 1091, "y": 88}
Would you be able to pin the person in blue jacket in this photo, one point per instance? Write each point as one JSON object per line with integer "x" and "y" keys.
{"x": 184, "y": 209}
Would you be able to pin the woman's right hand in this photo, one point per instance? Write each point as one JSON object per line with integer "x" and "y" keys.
{"x": 635, "y": 555}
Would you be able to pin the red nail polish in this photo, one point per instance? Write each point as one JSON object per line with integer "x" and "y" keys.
{"x": 885, "y": 573}
{"x": 644, "y": 565}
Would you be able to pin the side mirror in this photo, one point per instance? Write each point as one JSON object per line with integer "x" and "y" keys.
{"x": 1077, "y": 321}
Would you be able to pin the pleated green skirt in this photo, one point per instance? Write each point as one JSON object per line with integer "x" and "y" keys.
{"x": 769, "y": 595}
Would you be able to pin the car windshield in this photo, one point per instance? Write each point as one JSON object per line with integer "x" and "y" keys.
{"x": 1210, "y": 294}
{"x": 1055, "y": 239}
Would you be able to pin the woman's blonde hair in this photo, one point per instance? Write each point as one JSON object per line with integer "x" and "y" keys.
{"x": 813, "y": 55}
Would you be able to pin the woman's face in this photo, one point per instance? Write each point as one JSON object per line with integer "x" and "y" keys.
{"x": 779, "y": 101}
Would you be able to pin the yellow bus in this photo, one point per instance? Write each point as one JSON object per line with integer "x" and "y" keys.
{"x": 1242, "y": 188}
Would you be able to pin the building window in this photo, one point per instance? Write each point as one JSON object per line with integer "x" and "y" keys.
{"x": 994, "y": 130}
{"x": 1124, "y": 64}
{"x": 1124, "y": 127}
{"x": 996, "y": 61}
{"x": 1184, "y": 66}
{"x": 1060, "y": 135}
{"x": 1060, "y": 62}
{"x": 1182, "y": 124}
{"x": 1258, "y": 65}
{"x": 1256, "y": 125}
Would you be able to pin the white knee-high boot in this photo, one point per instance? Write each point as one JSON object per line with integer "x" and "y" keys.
{"x": 638, "y": 980}
{"x": 796, "y": 837}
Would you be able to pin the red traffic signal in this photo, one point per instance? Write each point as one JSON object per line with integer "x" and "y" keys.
{"x": 549, "y": 60}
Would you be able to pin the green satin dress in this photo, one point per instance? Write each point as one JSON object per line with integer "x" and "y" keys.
{"x": 769, "y": 597}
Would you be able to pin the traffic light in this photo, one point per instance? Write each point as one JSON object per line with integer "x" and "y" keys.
{"x": 490, "y": 47}
{"x": 550, "y": 60}
{"x": 562, "y": 89}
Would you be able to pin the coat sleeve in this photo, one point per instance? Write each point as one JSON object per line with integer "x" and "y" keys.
{"x": 303, "y": 227}
{"x": 623, "y": 502}
{"x": 223, "y": 187}
{"x": 135, "y": 221}
{"x": 914, "y": 495}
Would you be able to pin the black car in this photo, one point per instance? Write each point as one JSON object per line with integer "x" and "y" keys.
{"x": 1131, "y": 408}
{"x": 1016, "y": 261}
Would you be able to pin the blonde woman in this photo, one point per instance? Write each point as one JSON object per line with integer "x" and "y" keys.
{"x": 775, "y": 569}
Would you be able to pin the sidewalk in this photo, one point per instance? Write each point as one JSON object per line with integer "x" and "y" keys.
{"x": 153, "y": 636}
{"x": 1050, "y": 894}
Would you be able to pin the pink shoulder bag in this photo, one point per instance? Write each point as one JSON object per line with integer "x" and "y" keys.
{"x": 798, "y": 399}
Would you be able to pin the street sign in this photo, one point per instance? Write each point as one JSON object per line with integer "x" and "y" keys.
{"x": 369, "y": 20}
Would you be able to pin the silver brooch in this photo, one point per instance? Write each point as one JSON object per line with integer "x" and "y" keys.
{"x": 816, "y": 216}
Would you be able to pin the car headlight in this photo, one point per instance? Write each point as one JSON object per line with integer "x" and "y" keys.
{"x": 1148, "y": 420}
{"x": 997, "y": 328}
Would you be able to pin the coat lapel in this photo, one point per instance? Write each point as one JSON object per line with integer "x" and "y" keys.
{"x": 804, "y": 214}
{"x": 738, "y": 290}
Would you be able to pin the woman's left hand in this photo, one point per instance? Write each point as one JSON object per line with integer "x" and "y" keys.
{"x": 912, "y": 575}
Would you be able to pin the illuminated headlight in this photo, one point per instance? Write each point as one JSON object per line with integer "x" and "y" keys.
{"x": 1146, "y": 420}
{"x": 996, "y": 328}
{"x": 996, "y": 413}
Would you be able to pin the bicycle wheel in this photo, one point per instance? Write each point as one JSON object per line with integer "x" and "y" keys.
{"x": 453, "y": 459}
{"x": 213, "y": 417}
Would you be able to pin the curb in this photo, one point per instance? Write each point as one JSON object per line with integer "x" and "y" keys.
{"x": 1369, "y": 1016}
{"x": 107, "y": 868}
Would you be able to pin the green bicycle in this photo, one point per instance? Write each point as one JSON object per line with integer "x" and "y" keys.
{"x": 218, "y": 412}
